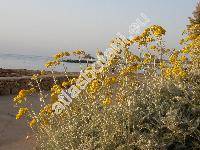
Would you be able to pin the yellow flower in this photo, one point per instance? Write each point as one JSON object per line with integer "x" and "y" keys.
{"x": 133, "y": 58}
{"x": 54, "y": 97}
{"x": 94, "y": 86}
{"x": 158, "y": 31}
{"x": 105, "y": 69}
{"x": 48, "y": 64}
{"x": 72, "y": 81}
{"x": 66, "y": 53}
{"x": 21, "y": 112}
{"x": 57, "y": 56}
{"x": 136, "y": 39}
{"x": 183, "y": 58}
{"x": 153, "y": 47}
{"x": 48, "y": 109}
{"x": 32, "y": 122}
{"x": 32, "y": 90}
{"x": 129, "y": 69}
{"x": 61, "y": 55}
{"x": 34, "y": 77}
{"x": 193, "y": 36}
{"x": 176, "y": 70}
{"x": 147, "y": 60}
{"x": 22, "y": 95}
{"x": 66, "y": 83}
{"x": 55, "y": 91}
{"x": 185, "y": 50}
{"x": 149, "y": 39}
{"x": 182, "y": 41}
{"x": 107, "y": 102}
{"x": 78, "y": 52}
{"x": 173, "y": 57}
{"x": 110, "y": 80}
{"x": 182, "y": 74}
{"x": 167, "y": 73}
{"x": 52, "y": 63}
{"x": 45, "y": 121}
{"x": 43, "y": 72}
{"x": 162, "y": 65}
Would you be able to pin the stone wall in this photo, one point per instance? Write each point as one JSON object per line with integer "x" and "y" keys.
{"x": 12, "y": 85}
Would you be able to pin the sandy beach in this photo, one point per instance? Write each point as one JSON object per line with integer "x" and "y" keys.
{"x": 13, "y": 132}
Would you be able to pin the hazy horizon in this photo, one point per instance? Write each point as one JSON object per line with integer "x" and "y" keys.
{"x": 40, "y": 27}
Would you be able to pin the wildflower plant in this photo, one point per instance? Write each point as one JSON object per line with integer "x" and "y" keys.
{"x": 145, "y": 101}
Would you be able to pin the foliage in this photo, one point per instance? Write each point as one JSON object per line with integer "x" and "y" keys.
{"x": 150, "y": 101}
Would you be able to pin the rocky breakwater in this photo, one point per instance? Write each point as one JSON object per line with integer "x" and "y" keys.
{"x": 12, "y": 81}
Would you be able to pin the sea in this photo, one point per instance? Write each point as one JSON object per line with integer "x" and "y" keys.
{"x": 34, "y": 62}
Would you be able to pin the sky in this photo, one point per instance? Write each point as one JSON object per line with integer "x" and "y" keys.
{"x": 43, "y": 27}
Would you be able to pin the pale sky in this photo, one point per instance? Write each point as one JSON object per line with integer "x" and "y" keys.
{"x": 40, "y": 27}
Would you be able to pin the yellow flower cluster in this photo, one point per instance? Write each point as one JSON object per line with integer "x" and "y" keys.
{"x": 192, "y": 44}
{"x": 69, "y": 82}
{"x": 36, "y": 76}
{"x": 21, "y": 112}
{"x": 66, "y": 83}
{"x": 148, "y": 58}
{"x": 46, "y": 110}
{"x": 61, "y": 55}
{"x": 107, "y": 102}
{"x": 32, "y": 122}
{"x": 129, "y": 69}
{"x": 113, "y": 61}
{"x": 22, "y": 95}
{"x": 45, "y": 113}
{"x": 55, "y": 91}
{"x": 73, "y": 80}
{"x": 153, "y": 47}
{"x": 174, "y": 57}
{"x": 183, "y": 58}
{"x": 162, "y": 65}
{"x": 185, "y": 50}
{"x": 52, "y": 63}
{"x": 146, "y": 36}
{"x": 158, "y": 31}
{"x": 43, "y": 72}
{"x": 175, "y": 68}
{"x": 110, "y": 80}
{"x": 78, "y": 52}
{"x": 94, "y": 86}
{"x": 176, "y": 71}
{"x": 57, "y": 58}
{"x": 131, "y": 58}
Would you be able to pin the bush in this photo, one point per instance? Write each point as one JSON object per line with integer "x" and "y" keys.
{"x": 149, "y": 101}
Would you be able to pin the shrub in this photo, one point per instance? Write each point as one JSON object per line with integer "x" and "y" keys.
{"x": 149, "y": 101}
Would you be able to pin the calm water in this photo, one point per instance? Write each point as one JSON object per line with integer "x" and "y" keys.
{"x": 32, "y": 62}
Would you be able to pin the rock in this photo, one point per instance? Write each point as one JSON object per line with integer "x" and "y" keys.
{"x": 14, "y": 90}
{"x": 4, "y": 91}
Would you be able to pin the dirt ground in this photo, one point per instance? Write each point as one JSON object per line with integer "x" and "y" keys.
{"x": 14, "y": 133}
